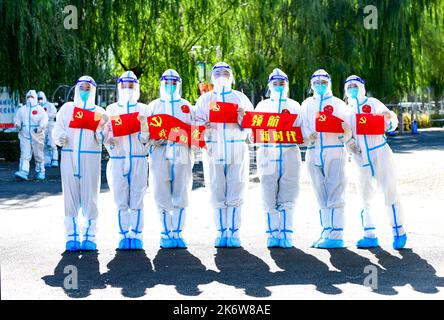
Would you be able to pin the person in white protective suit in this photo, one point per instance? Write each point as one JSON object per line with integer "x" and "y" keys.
{"x": 171, "y": 164}
{"x": 51, "y": 152}
{"x": 279, "y": 167}
{"x": 226, "y": 159}
{"x": 31, "y": 121}
{"x": 326, "y": 159}
{"x": 374, "y": 159}
{"x": 127, "y": 169}
{"x": 80, "y": 166}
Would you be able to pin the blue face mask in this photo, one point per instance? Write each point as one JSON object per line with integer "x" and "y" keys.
{"x": 170, "y": 88}
{"x": 320, "y": 89}
{"x": 279, "y": 89}
{"x": 353, "y": 92}
{"x": 84, "y": 95}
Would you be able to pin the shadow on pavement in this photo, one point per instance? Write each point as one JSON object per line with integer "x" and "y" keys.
{"x": 88, "y": 274}
{"x": 241, "y": 269}
{"x": 410, "y": 269}
{"x": 181, "y": 269}
{"x": 132, "y": 271}
{"x": 425, "y": 140}
{"x": 301, "y": 268}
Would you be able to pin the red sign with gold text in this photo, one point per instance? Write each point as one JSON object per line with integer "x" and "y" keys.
{"x": 266, "y": 120}
{"x": 85, "y": 119}
{"x": 125, "y": 124}
{"x": 166, "y": 127}
{"x": 327, "y": 122}
{"x": 223, "y": 112}
{"x": 278, "y": 136}
{"x": 371, "y": 124}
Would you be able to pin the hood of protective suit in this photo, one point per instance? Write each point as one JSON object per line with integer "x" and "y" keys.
{"x": 222, "y": 83}
{"x": 353, "y": 79}
{"x": 91, "y": 101}
{"x": 168, "y": 91}
{"x": 321, "y": 74}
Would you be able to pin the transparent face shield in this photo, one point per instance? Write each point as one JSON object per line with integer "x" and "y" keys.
{"x": 278, "y": 86}
{"x": 128, "y": 90}
{"x": 170, "y": 86}
{"x": 31, "y": 100}
{"x": 85, "y": 92}
{"x": 354, "y": 87}
{"x": 321, "y": 84}
{"x": 222, "y": 77}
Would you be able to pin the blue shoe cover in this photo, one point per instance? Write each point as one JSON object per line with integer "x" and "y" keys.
{"x": 88, "y": 246}
{"x": 181, "y": 243}
{"x": 72, "y": 245}
{"x": 136, "y": 244}
{"x": 330, "y": 244}
{"x": 286, "y": 243}
{"x": 168, "y": 243}
{"x": 221, "y": 242}
{"x": 272, "y": 242}
{"x": 365, "y": 243}
{"x": 40, "y": 176}
{"x": 54, "y": 163}
{"x": 233, "y": 242}
{"x": 399, "y": 242}
{"x": 22, "y": 175}
{"x": 125, "y": 244}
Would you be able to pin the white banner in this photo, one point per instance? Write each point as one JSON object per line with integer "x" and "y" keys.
{"x": 9, "y": 105}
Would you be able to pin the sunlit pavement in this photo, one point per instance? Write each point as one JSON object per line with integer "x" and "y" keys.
{"x": 33, "y": 262}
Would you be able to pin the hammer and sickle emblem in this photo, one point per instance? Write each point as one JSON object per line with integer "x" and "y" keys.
{"x": 118, "y": 121}
{"x": 156, "y": 122}
{"x": 322, "y": 118}
{"x": 214, "y": 106}
{"x": 79, "y": 115}
{"x": 362, "y": 120}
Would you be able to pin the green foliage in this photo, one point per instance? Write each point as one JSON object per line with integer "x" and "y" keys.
{"x": 404, "y": 53}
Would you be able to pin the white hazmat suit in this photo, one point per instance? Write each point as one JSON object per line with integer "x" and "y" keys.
{"x": 127, "y": 169}
{"x": 374, "y": 159}
{"x": 31, "y": 121}
{"x": 226, "y": 160}
{"x": 171, "y": 164}
{"x": 80, "y": 166}
{"x": 279, "y": 167}
{"x": 326, "y": 159}
{"x": 51, "y": 152}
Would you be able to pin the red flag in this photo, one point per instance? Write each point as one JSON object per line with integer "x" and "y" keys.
{"x": 278, "y": 136}
{"x": 85, "y": 119}
{"x": 372, "y": 124}
{"x": 267, "y": 120}
{"x": 164, "y": 126}
{"x": 223, "y": 112}
{"x": 327, "y": 122}
{"x": 125, "y": 124}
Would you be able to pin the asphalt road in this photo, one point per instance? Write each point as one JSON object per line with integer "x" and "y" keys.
{"x": 34, "y": 265}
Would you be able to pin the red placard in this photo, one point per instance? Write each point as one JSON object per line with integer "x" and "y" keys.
{"x": 125, "y": 124}
{"x": 85, "y": 119}
{"x": 164, "y": 126}
{"x": 371, "y": 124}
{"x": 327, "y": 122}
{"x": 278, "y": 136}
{"x": 266, "y": 120}
{"x": 223, "y": 112}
